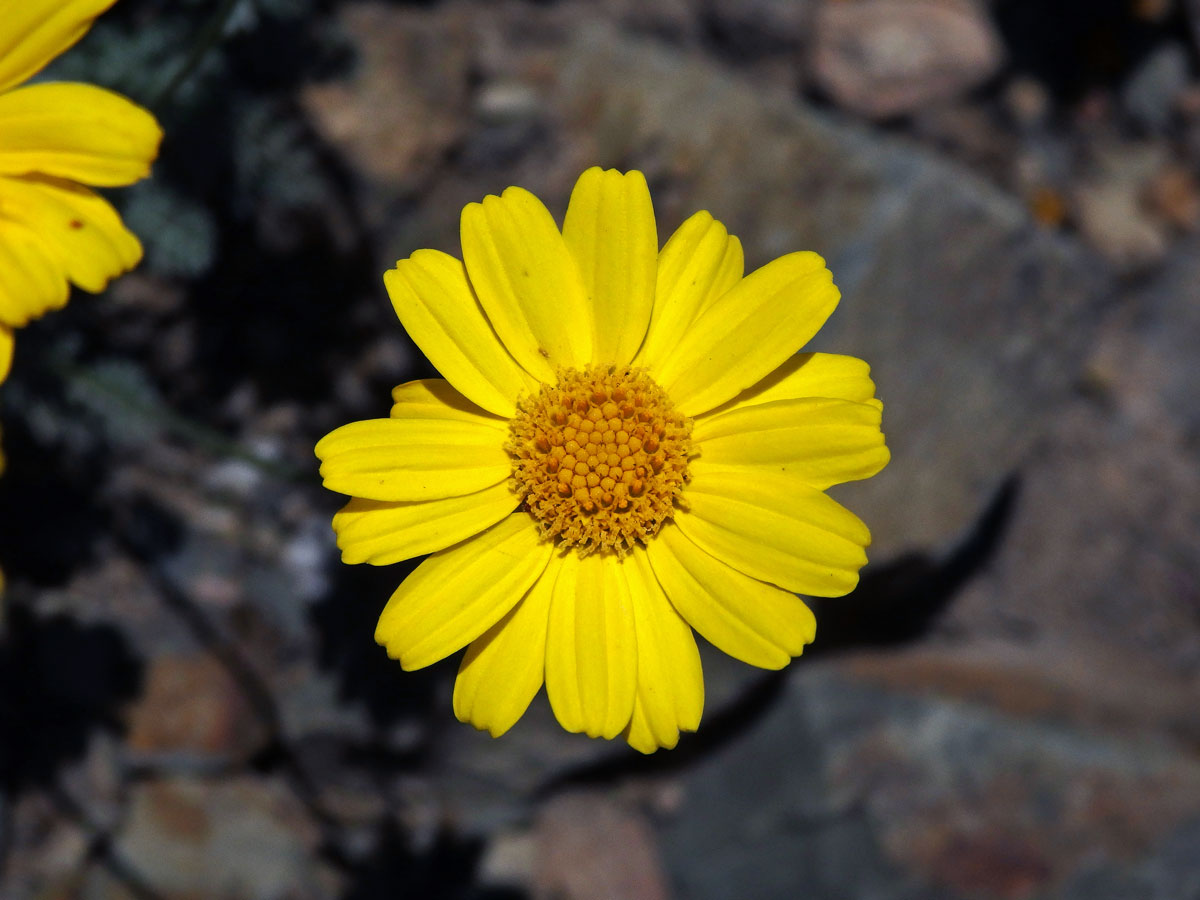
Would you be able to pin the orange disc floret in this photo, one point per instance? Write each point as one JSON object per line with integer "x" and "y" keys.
{"x": 600, "y": 457}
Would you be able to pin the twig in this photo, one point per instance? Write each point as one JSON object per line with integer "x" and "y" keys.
{"x": 210, "y": 36}
{"x": 100, "y": 846}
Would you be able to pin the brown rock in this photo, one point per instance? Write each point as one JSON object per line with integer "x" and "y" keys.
{"x": 1174, "y": 196}
{"x": 884, "y": 58}
{"x": 192, "y": 706}
{"x": 591, "y": 848}
{"x": 406, "y": 101}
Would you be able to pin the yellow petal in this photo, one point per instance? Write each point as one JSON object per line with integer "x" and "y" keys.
{"x": 609, "y": 229}
{"x": 381, "y": 533}
{"x": 747, "y": 332}
{"x": 438, "y": 309}
{"x": 434, "y": 398}
{"x": 773, "y": 527}
{"x": 527, "y": 282}
{"x": 670, "y": 689}
{"x": 33, "y": 32}
{"x": 699, "y": 263}
{"x": 503, "y": 669}
{"x": 31, "y": 280}
{"x": 809, "y": 375}
{"x": 76, "y": 131}
{"x": 591, "y": 647}
{"x": 458, "y": 594}
{"x": 821, "y": 442}
{"x": 80, "y": 228}
{"x": 6, "y": 352}
{"x": 413, "y": 458}
{"x": 749, "y": 619}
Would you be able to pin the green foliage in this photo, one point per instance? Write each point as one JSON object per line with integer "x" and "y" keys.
{"x": 179, "y": 235}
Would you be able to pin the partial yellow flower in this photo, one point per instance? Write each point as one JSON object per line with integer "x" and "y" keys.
{"x": 55, "y": 138}
{"x": 626, "y": 448}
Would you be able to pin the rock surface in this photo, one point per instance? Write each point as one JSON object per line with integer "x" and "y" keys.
{"x": 884, "y": 58}
{"x": 848, "y": 789}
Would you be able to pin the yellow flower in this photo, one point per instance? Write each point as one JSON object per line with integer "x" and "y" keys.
{"x": 625, "y": 448}
{"x": 55, "y": 137}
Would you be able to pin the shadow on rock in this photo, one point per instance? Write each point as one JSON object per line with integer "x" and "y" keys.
{"x": 901, "y": 601}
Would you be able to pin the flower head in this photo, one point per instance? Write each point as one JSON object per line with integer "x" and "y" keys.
{"x": 55, "y": 138}
{"x": 626, "y": 448}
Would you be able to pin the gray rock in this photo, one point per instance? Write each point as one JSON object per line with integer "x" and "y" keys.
{"x": 851, "y": 791}
{"x": 1149, "y": 96}
{"x": 1104, "y": 545}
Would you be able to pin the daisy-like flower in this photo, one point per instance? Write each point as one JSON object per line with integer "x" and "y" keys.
{"x": 55, "y": 138}
{"x": 626, "y": 447}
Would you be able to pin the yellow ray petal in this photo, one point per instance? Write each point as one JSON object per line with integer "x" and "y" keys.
{"x": 774, "y": 527}
{"x": 79, "y": 227}
{"x": 821, "y": 442}
{"x": 435, "y": 398}
{"x": 458, "y": 594}
{"x": 809, "y": 375}
{"x": 699, "y": 263}
{"x": 748, "y": 331}
{"x": 438, "y": 309}
{"x": 591, "y": 647}
{"x": 6, "y": 352}
{"x": 413, "y": 458}
{"x": 31, "y": 280}
{"x": 527, "y": 282}
{"x": 503, "y": 669}
{"x": 76, "y": 131}
{"x": 750, "y": 620}
{"x": 382, "y": 533}
{"x": 670, "y": 689}
{"x": 33, "y": 32}
{"x": 609, "y": 229}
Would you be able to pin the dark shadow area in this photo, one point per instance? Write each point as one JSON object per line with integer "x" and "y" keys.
{"x": 286, "y": 304}
{"x": 743, "y": 39}
{"x": 50, "y": 515}
{"x": 1074, "y": 46}
{"x": 149, "y": 530}
{"x": 345, "y": 626}
{"x": 63, "y": 682}
{"x": 445, "y": 870}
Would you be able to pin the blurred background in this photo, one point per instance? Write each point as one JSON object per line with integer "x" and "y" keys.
{"x": 191, "y": 702}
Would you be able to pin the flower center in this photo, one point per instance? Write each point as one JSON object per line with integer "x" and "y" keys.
{"x": 600, "y": 457}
